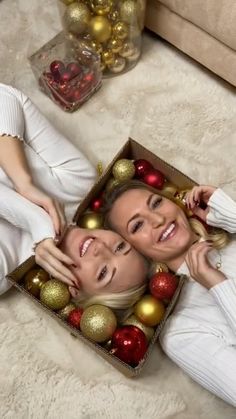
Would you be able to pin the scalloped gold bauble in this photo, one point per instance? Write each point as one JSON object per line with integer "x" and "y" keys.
{"x": 123, "y": 170}
{"x": 55, "y": 294}
{"x": 100, "y": 28}
{"x": 76, "y": 18}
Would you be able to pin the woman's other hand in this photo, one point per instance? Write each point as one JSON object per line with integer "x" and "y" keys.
{"x": 199, "y": 266}
{"x": 50, "y": 205}
{"x": 55, "y": 262}
{"x": 196, "y": 197}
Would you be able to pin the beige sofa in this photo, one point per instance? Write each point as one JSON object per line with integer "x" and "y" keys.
{"x": 203, "y": 29}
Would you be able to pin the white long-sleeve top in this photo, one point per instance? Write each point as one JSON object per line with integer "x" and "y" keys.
{"x": 200, "y": 335}
{"x": 57, "y": 167}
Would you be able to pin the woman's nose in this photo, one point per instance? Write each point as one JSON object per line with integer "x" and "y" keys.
{"x": 100, "y": 248}
{"x": 156, "y": 219}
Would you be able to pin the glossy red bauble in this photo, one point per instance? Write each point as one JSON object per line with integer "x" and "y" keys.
{"x": 75, "y": 317}
{"x": 163, "y": 285}
{"x": 154, "y": 178}
{"x": 129, "y": 344}
{"x": 65, "y": 76}
{"x": 142, "y": 167}
{"x": 89, "y": 77}
{"x": 74, "y": 69}
{"x": 96, "y": 204}
{"x": 57, "y": 67}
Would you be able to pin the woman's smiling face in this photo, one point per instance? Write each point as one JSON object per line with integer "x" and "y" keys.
{"x": 104, "y": 261}
{"x": 154, "y": 225}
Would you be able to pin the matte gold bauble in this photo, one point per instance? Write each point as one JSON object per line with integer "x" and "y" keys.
{"x": 149, "y": 310}
{"x": 55, "y": 294}
{"x": 34, "y": 280}
{"x": 111, "y": 184}
{"x": 101, "y": 7}
{"x": 91, "y": 220}
{"x": 100, "y": 28}
{"x": 118, "y": 65}
{"x": 169, "y": 189}
{"x": 127, "y": 50}
{"x": 130, "y": 11}
{"x": 98, "y": 323}
{"x": 133, "y": 321}
{"x": 120, "y": 30}
{"x": 115, "y": 45}
{"x": 134, "y": 56}
{"x": 64, "y": 312}
{"x": 108, "y": 57}
{"x": 123, "y": 170}
{"x": 96, "y": 46}
{"x": 76, "y": 18}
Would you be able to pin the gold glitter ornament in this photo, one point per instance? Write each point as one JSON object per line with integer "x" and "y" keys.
{"x": 76, "y": 18}
{"x": 120, "y": 30}
{"x": 127, "y": 50}
{"x": 115, "y": 45}
{"x": 64, "y": 312}
{"x": 55, "y": 294}
{"x": 111, "y": 184}
{"x": 123, "y": 170}
{"x": 130, "y": 12}
{"x": 98, "y": 323}
{"x": 101, "y": 7}
{"x": 133, "y": 321}
{"x": 34, "y": 280}
{"x": 118, "y": 65}
{"x": 99, "y": 168}
{"x": 100, "y": 28}
{"x": 108, "y": 57}
{"x": 149, "y": 310}
{"x": 91, "y": 220}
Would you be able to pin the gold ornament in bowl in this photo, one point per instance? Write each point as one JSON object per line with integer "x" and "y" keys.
{"x": 96, "y": 46}
{"x": 118, "y": 65}
{"x": 100, "y": 28}
{"x": 133, "y": 321}
{"x": 120, "y": 30}
{"x": 127, "y": 50}
{"x": 101, "y": 7}
{"x": 34, "y": 280}
{"x": 55, "y": 294}
{"x": 149, "y": 310}
{"x": 123, "y": 170}
{"x": 114, "y": 15}
{"x": 108, "y": 57}
{"x": 91, "y": 220}
{"x": 98, "y": 323}
{"x": 130, "y": 12}
{"x": 134, "y": 56}
{"x": 64, "y": 312}
{"x": 76, "y": 18}
{"x": 115, "y": 45}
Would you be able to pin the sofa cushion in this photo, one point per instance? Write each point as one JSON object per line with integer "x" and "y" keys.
{"x": 217, "y": 17}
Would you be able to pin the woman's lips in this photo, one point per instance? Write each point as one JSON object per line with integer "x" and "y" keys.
{"x": 169, "y": 232}
{"x": 84, "y": 246}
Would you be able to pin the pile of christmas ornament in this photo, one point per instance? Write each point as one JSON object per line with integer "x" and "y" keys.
{"x": 112, "y": 28}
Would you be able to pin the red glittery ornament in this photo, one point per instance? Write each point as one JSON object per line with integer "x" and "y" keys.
{"x": 129, "y": 344}
{"x": 96, "y": 204}
{"x": 163, "y": 285}
{"x": 142, "y": 167}
{"x": 75, "y": 317}
{"x": 154, "y": 178}
{"x": 74, "y": 69}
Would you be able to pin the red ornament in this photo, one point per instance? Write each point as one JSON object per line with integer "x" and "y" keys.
{"x": 96, "y": 204}
{"x": 57, "y": 67}
{"x": 75, "y": 317}
{"x": 129, "y": 344}
{"x": 74, "y": 69}
{"x": 65, "y": 76}
{"x": 154, "y": 178}
{"x": 142, "y": 167}
{"x": 77, "y": 95}
{"x": 163, "y": 285}
{"x": 89, "y": 77}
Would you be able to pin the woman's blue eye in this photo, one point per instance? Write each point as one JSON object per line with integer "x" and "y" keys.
{"x": 120, "y": 246}
{"x": 102, "y": 274}
{"x": 136, "y": 227}
{"x": 155, "y": 203}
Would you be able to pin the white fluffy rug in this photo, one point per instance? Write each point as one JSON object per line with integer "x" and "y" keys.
{"x": 184, "y": 114}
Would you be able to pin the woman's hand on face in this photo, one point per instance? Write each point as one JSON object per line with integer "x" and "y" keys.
{"x": 55, "y": 262}
{"x": 199, "y": 194}
{"x": 199, "y": 266}
{"x": 51, "y": 206}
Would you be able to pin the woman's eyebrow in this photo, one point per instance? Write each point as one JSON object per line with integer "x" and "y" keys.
{"x": 137, "y": 214}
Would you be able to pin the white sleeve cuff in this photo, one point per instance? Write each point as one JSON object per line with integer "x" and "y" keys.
{"x": 222, "y": 212}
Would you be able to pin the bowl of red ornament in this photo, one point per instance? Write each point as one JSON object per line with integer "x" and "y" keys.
{"x": 69, "y": 82}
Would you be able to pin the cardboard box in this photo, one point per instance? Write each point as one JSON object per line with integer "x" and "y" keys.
{"x": 131, "y": 150}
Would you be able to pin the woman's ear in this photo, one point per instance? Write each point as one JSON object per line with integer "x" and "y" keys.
{"x": 75, "y": 292}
